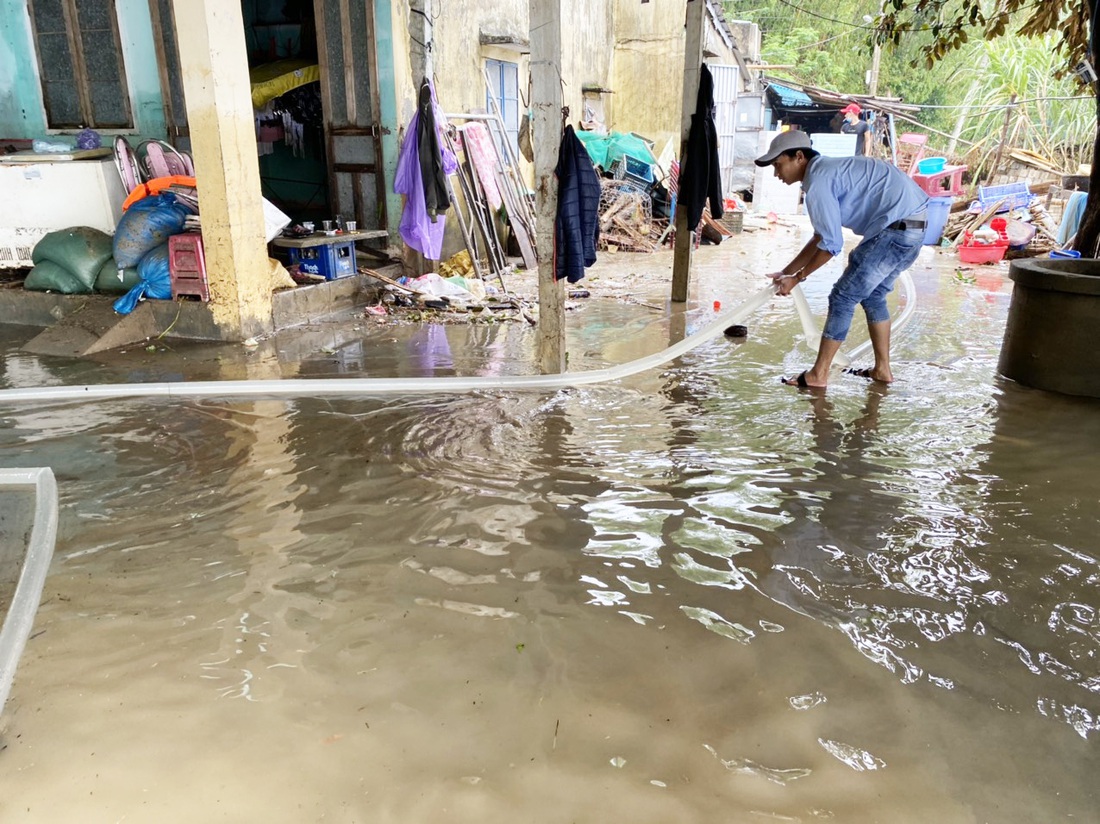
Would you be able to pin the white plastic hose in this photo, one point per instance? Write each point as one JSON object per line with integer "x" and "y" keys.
{"x": 32, "y": 577}
{"x": 309, "y": 387}
{"x": 812, "y": 334}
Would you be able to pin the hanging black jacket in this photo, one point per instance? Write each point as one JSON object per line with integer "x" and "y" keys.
{"x": 577, "y": 222}
{"x": 436, "y": 197}
{"x": 700, "y": 172}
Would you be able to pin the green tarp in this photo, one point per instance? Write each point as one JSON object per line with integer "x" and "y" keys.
{"x": 605, "y": 150}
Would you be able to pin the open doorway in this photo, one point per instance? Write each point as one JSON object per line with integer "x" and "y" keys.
{"x": 281, "y": 41}
{"x": 332, "y": 164}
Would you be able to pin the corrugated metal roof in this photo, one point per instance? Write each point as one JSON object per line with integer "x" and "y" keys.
{"x": 790, "y": 97}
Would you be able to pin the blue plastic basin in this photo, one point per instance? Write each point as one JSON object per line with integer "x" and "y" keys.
{"x": 931, "y": 165}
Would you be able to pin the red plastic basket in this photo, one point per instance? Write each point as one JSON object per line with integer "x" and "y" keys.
{"x": 970, "y": 252}
{"x": 982, "y": 254}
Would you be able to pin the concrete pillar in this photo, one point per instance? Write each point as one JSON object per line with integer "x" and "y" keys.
{"x": 214, "y": 65}
{"x": 694, "y": 42}
{"x": 546, "y": 123}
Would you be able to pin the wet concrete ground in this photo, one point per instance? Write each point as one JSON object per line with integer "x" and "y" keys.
{"x": 692, "y": 595}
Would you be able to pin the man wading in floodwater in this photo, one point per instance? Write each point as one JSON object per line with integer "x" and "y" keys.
{"x": 875, "y": 200}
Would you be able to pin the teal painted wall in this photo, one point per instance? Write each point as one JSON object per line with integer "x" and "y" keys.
{"x": 21, "y": 112}
{"x": 135, "y": 29}
{"x": 387, "y": 94}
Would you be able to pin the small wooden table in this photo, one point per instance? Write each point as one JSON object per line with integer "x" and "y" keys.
{"x": 321, "y": 239}
{"x": 331, "y": 256}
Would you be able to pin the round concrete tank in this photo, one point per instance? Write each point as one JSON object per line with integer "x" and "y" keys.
{"x": 1051, "y": 339}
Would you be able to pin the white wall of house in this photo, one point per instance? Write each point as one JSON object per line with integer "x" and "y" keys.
{"x": 459, "y": 50}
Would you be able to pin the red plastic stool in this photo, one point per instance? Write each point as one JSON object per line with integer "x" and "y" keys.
{"x": 943, "y": 183}
{"x": 187, "y": 266}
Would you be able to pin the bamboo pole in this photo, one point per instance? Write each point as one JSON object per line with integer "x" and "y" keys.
{"x": 1004, "y": 138}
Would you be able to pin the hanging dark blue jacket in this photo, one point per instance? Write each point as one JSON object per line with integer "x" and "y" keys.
{"x": 577, "y": 223}
{"x": 700, "y": 169}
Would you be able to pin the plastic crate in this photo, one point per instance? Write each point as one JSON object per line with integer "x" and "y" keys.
{"x": 1018, "y": 195}
{"x": 187, "y": 266}
{"x": 329, "y": 260}
{"x": 632, "y": 170}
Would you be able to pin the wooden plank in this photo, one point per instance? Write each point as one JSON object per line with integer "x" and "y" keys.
{"x": 519, "y": 216}
{"x": 693, "y": 61}
{"x": 512, "y": 204}
{"x": 979, "y": 221}
{"x": 526, "y": 248}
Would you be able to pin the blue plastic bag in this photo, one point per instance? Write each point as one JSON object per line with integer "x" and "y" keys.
{"x": 154, "y": 281}
{"x": 148, "y": 223}
{"x": 128, "y": 302}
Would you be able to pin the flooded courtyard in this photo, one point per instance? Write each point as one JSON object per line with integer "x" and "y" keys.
{"x": 694, "y": 595}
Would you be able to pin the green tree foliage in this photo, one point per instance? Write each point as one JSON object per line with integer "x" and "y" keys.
{"x": 830, "y": 46}
{"x": 941, "y": 54}
{"x": 954, "y": 23}
{"x": 1013, "y": 46}
{"x": 1049, "y": 117}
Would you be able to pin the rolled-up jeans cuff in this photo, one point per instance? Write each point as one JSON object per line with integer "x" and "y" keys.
{"x": 877, "y": 319}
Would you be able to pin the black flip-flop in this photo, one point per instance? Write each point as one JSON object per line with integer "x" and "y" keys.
{"x": 860, "y": 373}
{"x": 800, "y": 382}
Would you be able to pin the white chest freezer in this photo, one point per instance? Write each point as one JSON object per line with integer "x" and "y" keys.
{"x": 41, "y": 193}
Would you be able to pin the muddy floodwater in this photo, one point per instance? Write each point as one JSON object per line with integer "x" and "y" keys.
{"x": 694, "y": 595}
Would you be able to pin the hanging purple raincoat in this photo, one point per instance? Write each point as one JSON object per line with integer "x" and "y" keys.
{"x": 417, "y": 228}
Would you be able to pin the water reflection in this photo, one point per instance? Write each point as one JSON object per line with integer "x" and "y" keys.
{"x": 696, "y": 595}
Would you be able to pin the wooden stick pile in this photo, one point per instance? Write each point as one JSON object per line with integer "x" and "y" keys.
{"x": 626, "y": 220}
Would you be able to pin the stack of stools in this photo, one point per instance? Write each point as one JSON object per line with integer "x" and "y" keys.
{"x": 910, "y": 151}
{"x": 187, "y": 266}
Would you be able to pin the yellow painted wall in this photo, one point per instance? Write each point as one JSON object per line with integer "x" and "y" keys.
{"x": 648, "y": 73}
{"x": 223, "y": 143}
{"x": 459, "y": 56}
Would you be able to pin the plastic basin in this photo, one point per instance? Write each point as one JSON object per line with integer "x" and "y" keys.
{"x": 931, "y": 165}
{"x": 982, "y": 254}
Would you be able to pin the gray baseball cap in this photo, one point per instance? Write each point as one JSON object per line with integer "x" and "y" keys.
{"x": 783, "y": 141}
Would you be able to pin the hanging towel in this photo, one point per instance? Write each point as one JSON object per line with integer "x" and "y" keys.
{"x": 700, "y": 171}
{"x": 577, "y": 223}
{"x": 476, "y": 139}
{"x": 1071, "y": 217}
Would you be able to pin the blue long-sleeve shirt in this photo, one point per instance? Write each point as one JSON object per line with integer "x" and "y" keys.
{"x": 863, "y": 194}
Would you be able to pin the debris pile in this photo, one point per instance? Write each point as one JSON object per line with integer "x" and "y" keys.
{"x": 626, "y": 218}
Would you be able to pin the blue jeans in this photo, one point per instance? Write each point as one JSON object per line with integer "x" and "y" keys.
{"x": 872, "y": 268}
